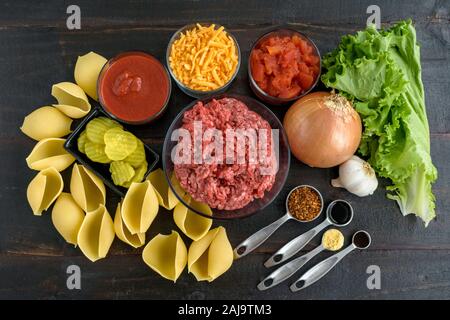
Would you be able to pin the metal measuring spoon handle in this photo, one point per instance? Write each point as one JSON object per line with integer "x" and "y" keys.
{"x": 288, "y": 269}
{"x": 255, "y": 240}
{"x": 295, "y": 245}
{"x": 320, "y": 269}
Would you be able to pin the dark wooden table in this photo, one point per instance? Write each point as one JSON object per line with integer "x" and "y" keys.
{"x": 37, "y": 50}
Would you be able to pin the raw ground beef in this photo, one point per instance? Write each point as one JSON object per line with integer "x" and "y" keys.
{"x": 221, "y": 185}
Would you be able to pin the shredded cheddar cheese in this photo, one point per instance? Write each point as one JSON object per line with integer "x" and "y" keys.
{"x": 204, "y": 58}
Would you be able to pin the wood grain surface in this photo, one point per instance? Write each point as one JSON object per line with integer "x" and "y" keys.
{"x": 37, "y": 50}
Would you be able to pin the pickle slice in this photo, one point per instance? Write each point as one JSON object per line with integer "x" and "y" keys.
{"x": 121, "y": 172}
{"x": 81, "y": 142}
{"x": 137, "y": 157}
{"x": 96, "y": 128}
{"x": 140, "y": 172}
{"x": 119, "y": 143}
{"x": 96, "y": 152}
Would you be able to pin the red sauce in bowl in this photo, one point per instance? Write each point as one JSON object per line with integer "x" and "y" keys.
{"x": 134, "y": 87}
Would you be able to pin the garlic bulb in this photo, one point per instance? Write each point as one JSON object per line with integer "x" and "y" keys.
{"x": 357, "y": 176}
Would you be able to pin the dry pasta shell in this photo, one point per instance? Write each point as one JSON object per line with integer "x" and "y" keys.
{"x": 48, "y": 153}
{"x": 192, "y": 224}
{"x": 135, "y": 240}
{"x": 72, "y": 100}
{"x": 87, "y": 189}
{"x": 43, "y": 190}
{"x": 167, "y": 255}
{"x": 46, "y": 122}
{"x": 139, "y": 207}
{"x": 67, "y": 217}
{"x": 87, "y": 69}
{"x": 211, "y": 256}
{"x": 96, "y": 234}
{"x": 166, "y": 197}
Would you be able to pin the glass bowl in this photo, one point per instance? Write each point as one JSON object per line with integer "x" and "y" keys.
{"x": 261, "y": 94}
{"x": 196, "y": 93}
{"x": 257, "y": 204}
{"x": 109, "y": 63}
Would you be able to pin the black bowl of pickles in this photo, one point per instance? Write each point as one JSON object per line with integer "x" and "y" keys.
{"x": 112, "y": 152}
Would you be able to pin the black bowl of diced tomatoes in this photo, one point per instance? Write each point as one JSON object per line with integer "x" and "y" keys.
{"x": 284, "y": 65}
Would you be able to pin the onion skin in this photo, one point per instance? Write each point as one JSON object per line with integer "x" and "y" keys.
{"x": 319, "y": 136}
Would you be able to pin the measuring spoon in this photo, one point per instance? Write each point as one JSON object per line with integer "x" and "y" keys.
{"x": 360, "y": 240}
{"x": 298, "y": 243}
{"x": 288, "y": 269}
{"x": 255, "y": 240}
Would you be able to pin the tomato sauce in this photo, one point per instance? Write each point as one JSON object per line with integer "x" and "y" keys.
{"x": 285, "y": 66}
{"x": 134, "y": 87}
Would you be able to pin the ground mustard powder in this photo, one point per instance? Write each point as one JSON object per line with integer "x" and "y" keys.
{"x": 333, "y": 240}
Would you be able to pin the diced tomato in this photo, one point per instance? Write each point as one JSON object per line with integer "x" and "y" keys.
{"x": 270, "y": 64}
{"x": 296, "y": 40}
{"x": 284, "y": 66}
{"x": 311, "y": 59}
{"x": 290, "y": 92}
{"x": 315, "y": 70}
{"x": 305, "y": 48}
{"x": 272, "y": 41}
{"x": 257, "y": 54}
{"x": 271, "y": 90}
{"x": 290, "y": 56}
{"x": 263, "y": 84}
{"x": 305, "y": 80}
{"x": 274, "y": 50}
{"x": 257, "y": 70}
{"x": 262, "y": 46}
{"x": 281, "y": 82}
{"x": 303, "y": 68}
{"x": 315, "y": 60}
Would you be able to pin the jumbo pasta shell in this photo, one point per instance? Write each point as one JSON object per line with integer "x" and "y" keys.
{"x": 96, "y": 234}
{"x": 48, "y": 153}
{"x": 87, "y": 189}
{"x": 211, "y": 256}
{"x": 192, "y": 224}
{"x": 167, "y": 255}
{"x": 135, "y": 240}
{"x": 72, "y": 100}
{"x": 46, "y": 122}
{"x": 43, "y": 190}
{"x": 166, "y": 197}
{"x": 67, "y": 217}
{"x": 139, "y": 207}
{"x": 87, "y": 70}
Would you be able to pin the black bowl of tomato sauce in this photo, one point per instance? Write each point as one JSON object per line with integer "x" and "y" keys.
{"x": 284, "y": 65}
{"x": 134, "y": 88}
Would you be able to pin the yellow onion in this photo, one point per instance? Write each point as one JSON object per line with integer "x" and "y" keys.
{"x": 323, "y": 129}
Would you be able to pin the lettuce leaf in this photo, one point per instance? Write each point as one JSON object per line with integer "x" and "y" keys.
{"x": 380, "y": 72}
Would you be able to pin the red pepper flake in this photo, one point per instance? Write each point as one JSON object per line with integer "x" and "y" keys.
{"x": 304, "y": 203}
